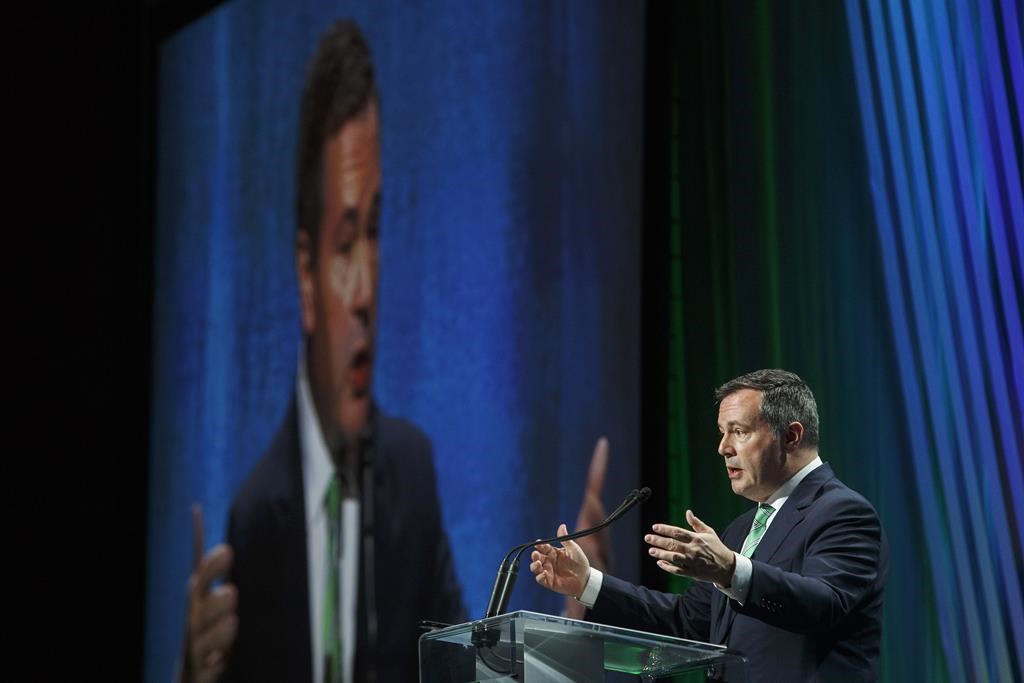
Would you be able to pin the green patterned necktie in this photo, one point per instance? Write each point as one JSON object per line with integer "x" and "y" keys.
{"x": 764, "y": 511}
{"x": 331, "y": 620}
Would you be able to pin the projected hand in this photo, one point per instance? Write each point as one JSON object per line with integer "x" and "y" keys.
{"x": 564, "y": 570}
{"x": 596, "y": 546}
{"x": 699, "y": 554}
{"x": 212, "y": 618}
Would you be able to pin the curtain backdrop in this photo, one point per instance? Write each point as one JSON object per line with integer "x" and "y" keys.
{"x": 941, "y": 87}
{"x": 841, "y": 196}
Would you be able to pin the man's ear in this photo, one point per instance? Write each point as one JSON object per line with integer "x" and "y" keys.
{"x": 307, "y": 280}
{"x": 794, "y": 437}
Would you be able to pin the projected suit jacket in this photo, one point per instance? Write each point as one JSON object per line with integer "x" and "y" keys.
{"x": 814, "y": 608}
{"x": 413, "y": 579}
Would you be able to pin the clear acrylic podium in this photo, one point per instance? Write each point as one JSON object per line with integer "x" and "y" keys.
{"x": 540, "y": 648}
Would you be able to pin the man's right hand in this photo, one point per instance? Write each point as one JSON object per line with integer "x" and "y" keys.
{"x": 212, "y": 612}
{"x": 564, "y": 570}
{"x": 212, "y": 618}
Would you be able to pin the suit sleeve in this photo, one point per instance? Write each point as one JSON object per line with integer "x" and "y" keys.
{"x": 621, "y": 603}
{"x": 839, "y": 568}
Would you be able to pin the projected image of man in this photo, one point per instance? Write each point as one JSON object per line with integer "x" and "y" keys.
{"x": 335, "y": 544}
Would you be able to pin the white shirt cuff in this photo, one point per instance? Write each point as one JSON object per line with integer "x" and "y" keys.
{"x": 740, "y": 585}
{"x": 593, "y": 587}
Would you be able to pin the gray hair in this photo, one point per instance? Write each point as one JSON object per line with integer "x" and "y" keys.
{"x": 785, "y": 398}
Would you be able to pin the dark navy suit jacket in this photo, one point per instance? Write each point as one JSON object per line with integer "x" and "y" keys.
{"x": 414, "y": 577}
{"x": 814, "y": 610}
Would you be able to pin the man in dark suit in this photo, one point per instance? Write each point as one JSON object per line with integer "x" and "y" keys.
{"x": 336, "y": 547}
{"x": 794, "y": 585}
{"x": 404, "y": 548}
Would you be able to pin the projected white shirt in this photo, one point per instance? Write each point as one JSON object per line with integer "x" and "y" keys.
{"x": 317, "y": 470}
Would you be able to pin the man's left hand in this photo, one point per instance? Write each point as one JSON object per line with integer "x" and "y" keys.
{"x": 699, "y": 554}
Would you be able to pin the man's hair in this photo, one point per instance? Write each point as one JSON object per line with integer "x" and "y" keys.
{"x": 785, "y": 398}
{"x": 339, "y": 85}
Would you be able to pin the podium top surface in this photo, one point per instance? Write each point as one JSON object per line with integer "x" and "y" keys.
{"x": 626, "y": 650}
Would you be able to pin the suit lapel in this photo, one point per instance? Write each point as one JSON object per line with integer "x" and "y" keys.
{"x": 791, "y": 514}
{"x": 295, "y": 575}
{"x": 289, "y": 520}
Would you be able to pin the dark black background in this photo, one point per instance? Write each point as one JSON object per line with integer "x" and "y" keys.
{"x": 78, "y": 114}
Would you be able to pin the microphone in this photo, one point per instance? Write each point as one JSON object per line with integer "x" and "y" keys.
{"x": 509, "y": 568}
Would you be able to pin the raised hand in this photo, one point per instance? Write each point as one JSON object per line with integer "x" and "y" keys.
{"x": 212, "y": 617}
{"x": 699, "y": 554}
{"x": 564, "y": 570}
{"x": 597, "y": 546}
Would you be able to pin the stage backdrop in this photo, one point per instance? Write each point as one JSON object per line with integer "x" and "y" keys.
{"x": 509, "y": 248}
{"x": 842, "y": 191}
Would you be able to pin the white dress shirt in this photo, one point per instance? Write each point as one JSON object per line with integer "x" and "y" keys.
{"x": 739, "y": 587}
{"x": 317, "y": 470}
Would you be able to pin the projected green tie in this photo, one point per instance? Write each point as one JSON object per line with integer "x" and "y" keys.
{"x": 764, "y": 511}
{"x": 331, "y": 620}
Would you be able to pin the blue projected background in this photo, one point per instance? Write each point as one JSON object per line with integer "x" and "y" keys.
{"x": 510, "y": 250}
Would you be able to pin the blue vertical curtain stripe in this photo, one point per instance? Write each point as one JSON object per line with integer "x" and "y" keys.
{"x": 940, "y": 87}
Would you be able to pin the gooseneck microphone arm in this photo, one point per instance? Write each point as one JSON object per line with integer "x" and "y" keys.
{"x": 509, "y": 568}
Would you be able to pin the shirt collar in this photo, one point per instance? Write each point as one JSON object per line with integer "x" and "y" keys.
{"x": 317, "y": 465}
{"x": 778, "y": 498}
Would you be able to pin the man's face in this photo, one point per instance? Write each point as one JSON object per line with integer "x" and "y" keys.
{"x": 338, "y": 287}
{"x": 754, "y": 458}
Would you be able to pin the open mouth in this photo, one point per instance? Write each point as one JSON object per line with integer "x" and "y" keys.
{"x": 733, "y": 472}
{"x": 359, "y": 373}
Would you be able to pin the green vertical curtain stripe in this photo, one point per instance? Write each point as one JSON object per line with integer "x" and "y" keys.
{"x": 768, "y": 184}
{"x": 679, "y": 473}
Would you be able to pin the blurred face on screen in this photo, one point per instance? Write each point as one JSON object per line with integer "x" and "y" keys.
{"x": 338, "y": 279}
{"x": 754, "y": 457}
